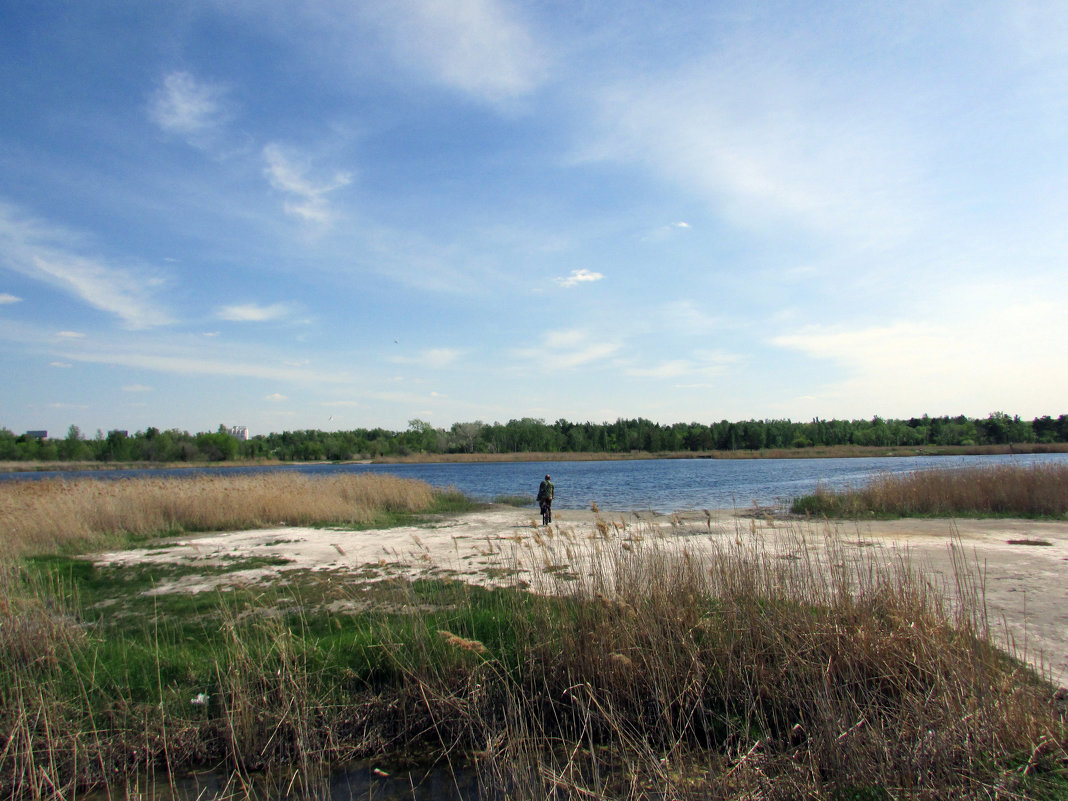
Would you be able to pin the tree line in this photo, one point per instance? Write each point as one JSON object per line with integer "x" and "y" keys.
{"x": 531, "y": 435}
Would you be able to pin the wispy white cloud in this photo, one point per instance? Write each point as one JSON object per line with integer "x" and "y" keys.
{"x": 182, "y": 356}
{"x": 188, "y": 107}
{"x": 46, "y": 253}
{"x": 568, "y": 349}
{"x": 480, "y": 47}
{"x": 70, "y": 334}
{"x": 178, "y": 364}
{"x": 305, "y": 197}
{"x": 703, "y": 364}
{"x": 434, "y": 358}
{"x": 991, "y": 360}
{"x": 60, "y": 365}
{"x": 666, "y": 231}
{"x": 577, "y": 277}
{"x": 410, "y": 258}
{"x": 252, "y": 312}
{"x": 276, "y": 397}
{"x": 690, "y": 318}
{"x": 766, "y": 138}
{"x": 101, "y": 286}
{"x": 6, "y": 298}
{"x": 669, "y": 369}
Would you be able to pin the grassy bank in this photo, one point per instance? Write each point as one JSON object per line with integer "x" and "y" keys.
{"x": 1005, "y": 491}
{"x": 637, "y": 672}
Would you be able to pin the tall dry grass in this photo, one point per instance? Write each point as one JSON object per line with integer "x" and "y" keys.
{"x": 739, "y": 673}
{"x": 1039, "y": 490}
{"x": 58, "y": 515}
{"x": 639, "y": 670}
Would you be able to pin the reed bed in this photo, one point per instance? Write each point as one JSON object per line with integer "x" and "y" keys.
{"x": 59, "y": 515}
{"x": 1039, "y": 490}
{"x": 641, "y": 672}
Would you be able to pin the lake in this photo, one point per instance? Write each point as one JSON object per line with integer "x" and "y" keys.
{"x": 662, "y": 485}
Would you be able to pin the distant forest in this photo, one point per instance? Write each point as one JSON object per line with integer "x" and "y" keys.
{"x": 530, "y": 435}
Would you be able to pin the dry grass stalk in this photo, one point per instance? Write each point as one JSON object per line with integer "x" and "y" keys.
{"x": 47, "y": 516}
{"x": 455, "y": 641}
{"x": 1033, "y": 491}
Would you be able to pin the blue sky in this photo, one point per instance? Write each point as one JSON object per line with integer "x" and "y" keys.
{"x": 334, "y": 214}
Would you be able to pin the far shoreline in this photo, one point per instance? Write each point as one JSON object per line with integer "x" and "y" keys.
{"x": 816, "y": 452}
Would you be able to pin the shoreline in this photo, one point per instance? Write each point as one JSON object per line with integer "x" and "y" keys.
{"x": 828, "y": 452}
{"x": 1023, "y": 562}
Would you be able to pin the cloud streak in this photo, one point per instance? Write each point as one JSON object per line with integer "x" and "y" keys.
{"x": 890, "y": 366}
{"x": 433, "y": 358}
{"x": 479, "y": 47}
{"x": 567, "y": 350}
{"x": 306, "y": 199}
{"x": 189, "y": 364}
{"x": 188, "y": 107}
{"x": 43, "y": 253}
{"x": 577, "y": 277}
{"x": 253, "y": 312}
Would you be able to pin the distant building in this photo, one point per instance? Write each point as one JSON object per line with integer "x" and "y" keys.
{"x": 37, "y": 434}
{"x": 239, "y": 432}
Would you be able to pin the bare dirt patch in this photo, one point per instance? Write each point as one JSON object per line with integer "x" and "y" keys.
{"x": 1024, "y": 586}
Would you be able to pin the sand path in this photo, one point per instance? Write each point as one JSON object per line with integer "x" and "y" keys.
{"x": 1022, "y": 564}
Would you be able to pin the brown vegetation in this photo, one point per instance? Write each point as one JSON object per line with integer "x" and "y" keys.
{"x": 58, "y": 515}
{"x": 1039, "y": 490}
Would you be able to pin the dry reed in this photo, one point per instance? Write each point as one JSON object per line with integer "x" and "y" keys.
{"x": 53, "y": 515}
{"x": 736, "y": 673}
{"x": 1028, "y": 491}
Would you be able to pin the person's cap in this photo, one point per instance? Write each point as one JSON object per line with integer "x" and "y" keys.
{"x": 546, "y": 476}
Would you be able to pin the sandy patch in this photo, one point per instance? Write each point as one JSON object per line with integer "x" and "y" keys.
{"x": 1025, "y": 582}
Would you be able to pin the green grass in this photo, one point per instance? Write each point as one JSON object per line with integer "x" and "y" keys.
{"x": 519, "y": 501}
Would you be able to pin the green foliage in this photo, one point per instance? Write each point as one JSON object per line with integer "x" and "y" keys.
{"x": 515, "y": 500}
{"x": 534, "y": 435}
{"x": 819, "y": 504}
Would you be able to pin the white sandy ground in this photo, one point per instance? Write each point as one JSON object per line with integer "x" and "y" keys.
{"x": 1025, "y": 585}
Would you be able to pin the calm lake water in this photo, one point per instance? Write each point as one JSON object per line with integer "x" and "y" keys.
{"x": 664, "y": 485}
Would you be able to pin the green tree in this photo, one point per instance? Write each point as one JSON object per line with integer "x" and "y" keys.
{"x": 74, "y": 447}
{"x": 217, "y": 447}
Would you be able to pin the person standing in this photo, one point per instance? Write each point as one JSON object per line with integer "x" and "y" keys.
{"x": 546, "y": 492}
